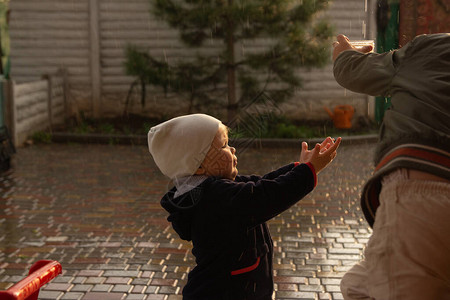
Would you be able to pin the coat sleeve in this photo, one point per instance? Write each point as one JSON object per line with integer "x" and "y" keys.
{"x": 270, "y": 175}
{"x": 260, "y": 201}
{"x": 369, "y": 73}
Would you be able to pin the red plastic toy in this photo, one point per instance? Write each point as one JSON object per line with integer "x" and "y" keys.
{"x": 41, "y": 273}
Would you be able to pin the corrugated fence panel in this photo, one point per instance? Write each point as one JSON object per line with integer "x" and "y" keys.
{"x": 30, "y": 100}
{"x": 50, "y": 34}
{"x": 121, "y": 25}
{"x": 319, "y": 86}
{"x": 133, "y": 23}
{"x": 32, "y": 105}
{"x": 26, "y": 89}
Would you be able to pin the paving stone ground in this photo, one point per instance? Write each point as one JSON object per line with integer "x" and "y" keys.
{"x": 95, "y": 209}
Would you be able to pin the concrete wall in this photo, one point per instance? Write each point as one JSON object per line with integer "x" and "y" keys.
{"x": 35, "y": 105}
{"x": 88, "y": 38}
{"x": 48, "y": 35}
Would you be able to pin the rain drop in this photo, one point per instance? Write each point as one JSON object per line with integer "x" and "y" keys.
{"x": 364, "y": 28}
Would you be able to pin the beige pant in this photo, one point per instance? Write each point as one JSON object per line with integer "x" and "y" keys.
{"x": 408, "y": 254}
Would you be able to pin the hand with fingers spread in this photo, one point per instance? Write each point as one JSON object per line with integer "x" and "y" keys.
{"x": 321, "y": 155}
{"x": 343, "y": 43}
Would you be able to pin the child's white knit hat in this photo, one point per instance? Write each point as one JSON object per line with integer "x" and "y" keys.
{"x": 179, "y": 145}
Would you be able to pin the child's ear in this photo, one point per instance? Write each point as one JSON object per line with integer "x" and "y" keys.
{"x": 200, "y": 171}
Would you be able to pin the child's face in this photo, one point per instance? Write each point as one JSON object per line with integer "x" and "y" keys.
{"x": 220, "y": 160}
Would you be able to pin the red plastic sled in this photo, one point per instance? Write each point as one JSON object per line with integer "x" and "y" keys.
{"x": 41, "y": 273}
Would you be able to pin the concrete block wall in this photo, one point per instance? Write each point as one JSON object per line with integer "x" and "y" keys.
{"x": 88, "y": 39}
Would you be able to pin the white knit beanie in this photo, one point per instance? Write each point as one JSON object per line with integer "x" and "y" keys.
{"x": 179, "y": 145}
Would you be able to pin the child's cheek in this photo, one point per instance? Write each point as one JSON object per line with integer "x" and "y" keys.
{"x": 222, "y": 163}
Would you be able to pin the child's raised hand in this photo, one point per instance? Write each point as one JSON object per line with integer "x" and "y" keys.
{"x": 321, "y": 155}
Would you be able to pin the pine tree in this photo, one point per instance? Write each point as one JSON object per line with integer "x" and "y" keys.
{"x": 295, "y": 39}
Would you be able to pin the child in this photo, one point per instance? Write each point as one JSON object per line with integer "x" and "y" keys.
{"x": 224, "y": 214}
{"x": 407, "y": 200}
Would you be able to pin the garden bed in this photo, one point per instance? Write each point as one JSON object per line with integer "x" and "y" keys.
{"x": 133, "y": 129}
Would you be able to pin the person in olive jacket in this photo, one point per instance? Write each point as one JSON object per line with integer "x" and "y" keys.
{"x": 407, "y": 200}
{"x": 222, "y": 213}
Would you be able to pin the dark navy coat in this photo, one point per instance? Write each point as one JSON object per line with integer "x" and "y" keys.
{"x": 225, "y": 220}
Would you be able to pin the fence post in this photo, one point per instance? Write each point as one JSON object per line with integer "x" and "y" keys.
{"x": 2, "y": 101}
{"x": 10, "y": 109}
{"x": 63, "y": 73}
{"x": 95, "y": 56}
{"x": 49, "y": 100}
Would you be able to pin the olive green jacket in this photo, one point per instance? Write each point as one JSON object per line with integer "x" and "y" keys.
{"x": 415, "y": 132}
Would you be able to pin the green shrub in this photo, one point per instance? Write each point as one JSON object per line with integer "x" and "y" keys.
{"x": 106, "y": 128}
{"x": 42, "y": 137}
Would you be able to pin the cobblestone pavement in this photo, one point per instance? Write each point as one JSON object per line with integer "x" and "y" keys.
{"x": 95, "y": 209}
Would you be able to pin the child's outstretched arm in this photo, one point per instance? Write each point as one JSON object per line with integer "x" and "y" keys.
{"x": 321, "y": 155}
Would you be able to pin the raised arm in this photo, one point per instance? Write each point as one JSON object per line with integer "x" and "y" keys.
{"x": 271, "y": 175}
{"x": 362, "y": 71}
{"x": 257, "y": 202}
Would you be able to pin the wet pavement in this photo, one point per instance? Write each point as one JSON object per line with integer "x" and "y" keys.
{"x": 95, "y": 209}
